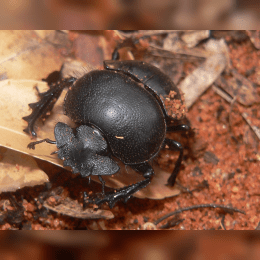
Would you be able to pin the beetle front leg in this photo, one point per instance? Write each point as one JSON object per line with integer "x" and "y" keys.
{"x": 48, "y": 99}
{"x": 125, "y": 193}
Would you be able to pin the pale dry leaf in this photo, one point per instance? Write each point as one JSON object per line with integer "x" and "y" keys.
{"x": 18, "y": 170}
{"x": 174, "y": 44}
{"x": 16, "y": 95}
{"x": 23, "y": 54}
{"x": 203, "y": 77}
{"x": 192, "y": 38}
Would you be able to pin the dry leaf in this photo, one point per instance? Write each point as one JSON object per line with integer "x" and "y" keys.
{"x": 18, "y": 170}
{"x": 73, "y": 209}
{"x": 174, "y": 44}
{"x": 202, "y": 77}
{"x": 192, "y": 38}
{"x": 16, "y": 95}
{"x": 23, "y": 54}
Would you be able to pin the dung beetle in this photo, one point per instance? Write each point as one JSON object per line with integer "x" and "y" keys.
{"x": 120, "y": 112}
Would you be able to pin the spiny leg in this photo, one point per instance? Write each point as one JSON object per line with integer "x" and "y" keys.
{"x": 174, "y": 146}
{"x": 48, "y": 99}
{"x": 125, "y": 193}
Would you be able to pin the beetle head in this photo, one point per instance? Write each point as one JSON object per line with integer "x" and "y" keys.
{"x": 84, "y": 151}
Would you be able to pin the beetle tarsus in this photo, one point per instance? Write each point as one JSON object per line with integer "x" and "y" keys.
{"x": 121, "y": 194}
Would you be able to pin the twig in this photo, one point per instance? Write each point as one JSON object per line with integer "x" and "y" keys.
{"x": 227, "y": 208}
{"x": 221, "y": 93}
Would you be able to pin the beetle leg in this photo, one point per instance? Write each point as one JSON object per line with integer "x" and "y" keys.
{"x": 47, "y": 140}
{"x": 48, "y": 99}
{"x": 174, "y": 146}
{"x": 125, "y": 193}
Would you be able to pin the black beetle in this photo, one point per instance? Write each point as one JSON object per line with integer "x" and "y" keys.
{"x": 119, "y": 112}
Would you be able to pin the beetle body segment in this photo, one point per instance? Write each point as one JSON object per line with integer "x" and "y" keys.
{"x": 146, "y": 73}
{"x": 84, "y": 151}
{"x": 129, "y": 116}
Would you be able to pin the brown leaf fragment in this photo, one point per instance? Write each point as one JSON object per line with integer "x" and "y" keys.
{"x": 210, "y": 157}
{"x": 73, "y": 209}
{"x": 172, "y": 42}
{"x": 240, "y": 87}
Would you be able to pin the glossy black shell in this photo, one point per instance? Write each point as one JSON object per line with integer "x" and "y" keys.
{"x": 131, "y": 119}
